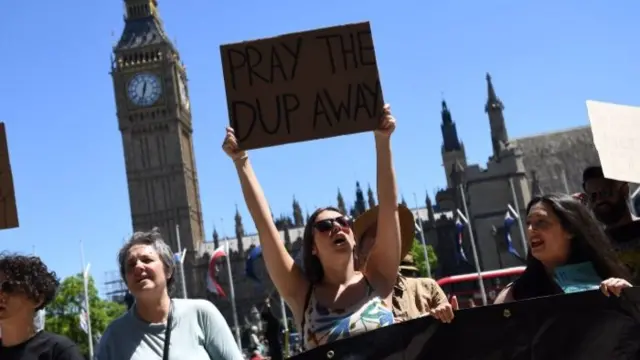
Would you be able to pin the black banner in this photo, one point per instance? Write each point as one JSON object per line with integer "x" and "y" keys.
{"x": 585, "y": 325}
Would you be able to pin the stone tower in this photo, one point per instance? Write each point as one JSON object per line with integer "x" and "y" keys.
{"x": 154, "y": 118}
{"x": 494, "y": 109}
{"x": 492, "y": 189}
{"x": 452, "y": 148}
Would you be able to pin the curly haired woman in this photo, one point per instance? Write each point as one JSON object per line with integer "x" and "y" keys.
{"x": 26, "y": 286}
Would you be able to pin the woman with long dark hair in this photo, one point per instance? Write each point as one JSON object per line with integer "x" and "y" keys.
{"x": 329, "y": 299}
{"x": 562, "y": 231}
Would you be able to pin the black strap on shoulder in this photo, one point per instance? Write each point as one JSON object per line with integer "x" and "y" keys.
{"x": 167, "y": 334}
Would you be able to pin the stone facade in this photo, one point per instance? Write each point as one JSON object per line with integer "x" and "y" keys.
{"x": 156, "y": 130}
{"x": 154, "y": 118}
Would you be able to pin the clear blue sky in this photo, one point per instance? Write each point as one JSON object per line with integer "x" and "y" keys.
{"x": 56, "y": 97}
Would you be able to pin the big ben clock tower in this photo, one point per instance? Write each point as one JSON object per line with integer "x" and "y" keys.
{"x": 154, "y": 117}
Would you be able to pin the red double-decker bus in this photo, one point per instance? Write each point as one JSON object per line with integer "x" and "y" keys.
{"x": 465, "y": 286}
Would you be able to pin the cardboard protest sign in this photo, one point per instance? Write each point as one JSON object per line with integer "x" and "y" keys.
{"x": 584, "y": 325}
{"x": 8, "y": 207}
{"x": 302, "y": 86}
{"x": 616, "y": 139}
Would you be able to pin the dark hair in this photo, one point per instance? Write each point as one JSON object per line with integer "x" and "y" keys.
{"x": 30, "y": 275}
{"x": 154, "y": 239}
{"x": 592, "y": 172}
{"x": 589, "y": 243}
{"x": 311, "y": 263}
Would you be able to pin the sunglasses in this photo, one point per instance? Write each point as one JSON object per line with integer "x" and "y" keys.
{"x": 328, "y": 224}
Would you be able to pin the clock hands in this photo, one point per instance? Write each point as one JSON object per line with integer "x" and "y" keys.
{"x": 144, "y": 89}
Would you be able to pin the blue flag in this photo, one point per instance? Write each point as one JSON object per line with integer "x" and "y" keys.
{"x": 508, "y": 223}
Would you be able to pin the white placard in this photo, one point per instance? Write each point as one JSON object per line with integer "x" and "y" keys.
{"x": 616, "y": 135}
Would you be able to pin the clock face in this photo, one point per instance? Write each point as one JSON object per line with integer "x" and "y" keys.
{"x": 183, "y": 93}
{"x": 144, "y": 89}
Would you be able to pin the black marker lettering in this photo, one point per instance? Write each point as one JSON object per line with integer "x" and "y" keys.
{"x": 286, "y": 104}
{"x": 254, "y": 58}
{"x": 363, "y": 92}
{"x": 233, "y": 66}
{"x": 320, "y": 110}
{"x": 327, "y": 41}
{"x": 238, "y": 113}
{"x": 366, "y": 53}
{"x": 296, "y": 56}
{"x": 342, "y": 107}
{"x": 348, "y": 49}
{"x": 290, "y": 103}
{"x": 276, "y": 63}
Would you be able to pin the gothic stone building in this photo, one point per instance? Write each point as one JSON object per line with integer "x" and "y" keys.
{"x": 154, "y": 118}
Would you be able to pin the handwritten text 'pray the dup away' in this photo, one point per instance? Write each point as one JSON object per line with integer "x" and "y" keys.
{"x": 302, "y": 86}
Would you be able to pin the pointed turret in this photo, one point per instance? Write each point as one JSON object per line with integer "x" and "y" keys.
{"x": 452, "y": 148}
{"x": 450, "y": 140}
{"x": 430, "y": 212}
{"x": 494, "y": 108}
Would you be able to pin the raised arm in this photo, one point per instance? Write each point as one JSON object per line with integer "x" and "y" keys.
{"x": 383, "y": 262}
{"x": 283, "y": 271}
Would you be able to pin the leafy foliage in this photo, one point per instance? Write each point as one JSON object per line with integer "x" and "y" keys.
{"x": 417, "y": 251}
{"x": 63, "y": 314}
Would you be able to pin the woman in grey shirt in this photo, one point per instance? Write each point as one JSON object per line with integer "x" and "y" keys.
{"x": 157, "y": 327}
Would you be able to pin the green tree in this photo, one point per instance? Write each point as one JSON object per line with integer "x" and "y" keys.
{"x": 370, "y": 198}
{"x": 341, "y": 206}
{"x": 63, "y": 314}
{"x": 417, "y": 251}
{"x": 360, "y": 206}
{"x": 298, "y": 218}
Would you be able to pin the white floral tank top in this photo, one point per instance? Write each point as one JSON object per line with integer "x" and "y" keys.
{"x": 322, "y": 325}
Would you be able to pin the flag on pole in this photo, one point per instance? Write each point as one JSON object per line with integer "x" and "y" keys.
{"x": 178, "y": 257}
{"x": 460, "y": 255}
{"x": 508, "y": 223}
{"x": 84, "y": 319}
{"x": 212, "y": 283}
{"x": 249, "y": 270}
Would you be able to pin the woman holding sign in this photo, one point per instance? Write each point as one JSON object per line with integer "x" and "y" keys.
{"x": 328, "y": 298}
{"x": 568, "y": 252}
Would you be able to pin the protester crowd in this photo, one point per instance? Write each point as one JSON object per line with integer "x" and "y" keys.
{"x": 356, "y": 275}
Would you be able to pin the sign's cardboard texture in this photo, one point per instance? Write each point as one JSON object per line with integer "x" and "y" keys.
{"x": 302, "y": 86}
{"x": 8, "y": 206}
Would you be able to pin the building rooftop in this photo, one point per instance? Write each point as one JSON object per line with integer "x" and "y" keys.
{"x": 550, "y": 158}
{"x": 296, "y": 233}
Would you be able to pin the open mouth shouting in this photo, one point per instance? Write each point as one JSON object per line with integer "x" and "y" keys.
{"x": 536, "y": 243}
{"x": 339, "y": 240}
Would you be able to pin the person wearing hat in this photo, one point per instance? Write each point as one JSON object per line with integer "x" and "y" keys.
{"x": 609, "y": 201}
{"x": 408, "y": 267}
{"x": 413, "y": 296}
